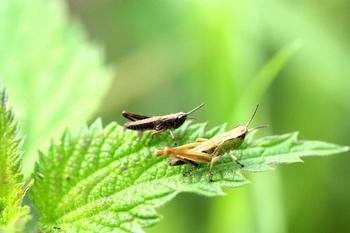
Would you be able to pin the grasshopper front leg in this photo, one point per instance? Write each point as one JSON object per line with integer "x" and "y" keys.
{"x": 212, "y": 162}
{"x": 161, "y": 128}
{"x": 216, "y": 156}
{"x": 173, "y": 137}
{"x": 215, "y": 159}
{"x": 157, "y": 132}
{"x": 234, "y": 159}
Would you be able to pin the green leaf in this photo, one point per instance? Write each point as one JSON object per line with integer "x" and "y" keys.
{"x": 12, "y": 190}
{"x": 104, "y": 180}
{"x": 54, "y": 76}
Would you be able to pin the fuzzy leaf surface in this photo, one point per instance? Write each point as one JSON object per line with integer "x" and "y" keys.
{"x": 12, "y": 215}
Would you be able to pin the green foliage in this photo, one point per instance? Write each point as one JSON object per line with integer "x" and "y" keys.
{"x": 271, "y": 69}
{"x": 104, "y": 180}
{"x": 259, "y": 85}
{"x": 12, "y": 215}
{"x": 54, "y": 77}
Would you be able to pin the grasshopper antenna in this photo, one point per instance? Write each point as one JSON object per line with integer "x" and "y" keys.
{"x": 252, "y": 117}
{"x": 192, "y": 118}
{"x": 195, "y": 109}
{"x": 259, "y": 127}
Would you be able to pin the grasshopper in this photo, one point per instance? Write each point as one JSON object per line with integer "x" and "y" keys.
{"x": 209, "y": 150}
{"x": 157, "y": 123}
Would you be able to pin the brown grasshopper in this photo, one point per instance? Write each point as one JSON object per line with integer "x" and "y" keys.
{"x": 157, "y": 123}
{"x": 208, "y": 150}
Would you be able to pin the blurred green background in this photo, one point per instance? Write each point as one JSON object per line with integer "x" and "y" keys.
{"x": 171, "y": 55}
{"x": 292, "y": 57}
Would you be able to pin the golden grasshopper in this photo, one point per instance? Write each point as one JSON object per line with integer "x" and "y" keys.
{"x": 208, "y": 150}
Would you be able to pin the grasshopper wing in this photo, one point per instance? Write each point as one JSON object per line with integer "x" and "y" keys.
{"x": 133, "y": 116}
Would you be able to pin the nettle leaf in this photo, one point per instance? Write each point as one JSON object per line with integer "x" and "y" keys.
{"x": 54, "y": 76}
{"x": 12, "y": 215}
{"x": 108, "y": 180}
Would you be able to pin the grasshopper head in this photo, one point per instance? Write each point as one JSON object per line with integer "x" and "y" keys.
{"x": 180, "y": 118}
{"x": 241, "y": 131}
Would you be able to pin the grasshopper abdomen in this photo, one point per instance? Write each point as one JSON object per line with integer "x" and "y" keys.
{"x": 139, "y": 125}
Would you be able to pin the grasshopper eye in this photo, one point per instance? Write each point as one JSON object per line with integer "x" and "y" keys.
{"x": 181, "y": 116}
